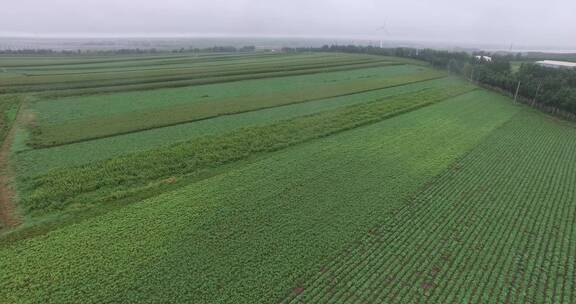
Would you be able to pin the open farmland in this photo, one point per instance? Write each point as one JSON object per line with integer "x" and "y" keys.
{"x": 497, "y": 226}
{"x": 277, "y": 177}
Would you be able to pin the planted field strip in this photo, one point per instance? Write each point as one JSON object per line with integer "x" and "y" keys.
{"x": 153, "y": 85}
{"x": 189, "y": 62}
{"x": 193, "y": 62}
{"x": 137, "y": 63}
{"x": 497, "y": 227}
{"x": 62, "y": 82}
{"x": 199, "y": 69}
{"x": 171, "y": 66}
{"x": 34, "y": 161}
{"x": 75, "y": 108}
{"x": 125, "y": 175}
{"x": 59, "y": 62}
{"x": 250, "y": 232}
{"x": 101, "y": 127}
{"x": 29, "y": 61}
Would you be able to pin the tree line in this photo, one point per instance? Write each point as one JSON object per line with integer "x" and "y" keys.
{"x": 127, "y": 51}
{"x": 552, "y": 90}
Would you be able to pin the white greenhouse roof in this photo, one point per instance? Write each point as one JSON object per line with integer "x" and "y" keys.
{"x": 558, "y": 63}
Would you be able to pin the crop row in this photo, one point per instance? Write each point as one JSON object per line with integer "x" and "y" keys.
{"x": 200, "y": 68}
{"x": 14, "y": 61}
{"x": 100, "y": 127}
{"x": 30, "y": 63}
{"x": 116, "y": 78}
{"x": 186, "y": 63}
{"x": 200, "y": 81}
{"x": 497, "y": 227}
{"x": 244, "y": 236}
{"x": 65, "y": 109}
{"x": 124, "y": 175}
{"x": 64, "y": 64}
{"x": 36, "y": 161}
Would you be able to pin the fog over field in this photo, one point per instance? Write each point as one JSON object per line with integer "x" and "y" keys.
{"x": 527, "y": 23}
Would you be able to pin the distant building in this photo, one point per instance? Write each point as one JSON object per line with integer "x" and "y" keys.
{"x": 483, "y": 58}
{"x": 557, "y": 64}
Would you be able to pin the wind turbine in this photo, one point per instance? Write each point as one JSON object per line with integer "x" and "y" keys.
{"x": 384, "y": 29}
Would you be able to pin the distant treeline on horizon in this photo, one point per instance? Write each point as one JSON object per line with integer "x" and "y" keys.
{"x": 48, "y": 51}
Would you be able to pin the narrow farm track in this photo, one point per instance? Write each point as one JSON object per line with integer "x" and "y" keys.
{"x": 8, "y": 215}
{"x": 497, "y": 227}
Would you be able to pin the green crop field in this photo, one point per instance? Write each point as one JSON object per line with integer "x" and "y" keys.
{"x": 497, "y": 226}
{"x": 41, "y": 160}
{"x": 262, "y": 177}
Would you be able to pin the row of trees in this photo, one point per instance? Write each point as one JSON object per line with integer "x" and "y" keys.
{"x": 548, "y": 88}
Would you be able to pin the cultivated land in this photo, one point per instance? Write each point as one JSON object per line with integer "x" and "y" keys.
{"x": 261, "y": 177}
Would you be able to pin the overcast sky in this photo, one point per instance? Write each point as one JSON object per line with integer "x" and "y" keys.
{"x": 522, "y": 22}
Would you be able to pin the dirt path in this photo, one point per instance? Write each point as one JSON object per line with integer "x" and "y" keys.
{"x": 8, "y": 215}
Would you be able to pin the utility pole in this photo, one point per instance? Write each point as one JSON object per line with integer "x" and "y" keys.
{"x": 517, "y": 89}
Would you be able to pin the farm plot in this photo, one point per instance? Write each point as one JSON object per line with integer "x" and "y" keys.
{"x": 496, "y": 227}
{"x": 39, "y": 61}
{"x": 123, "y": 176}
{"x": 76, "y": 108}
{"x": 86, "y": 64}
{"x": 158, "y": 112}
{"x": 90, "y": 78}
{"x": 119, "y": 79}
{"x": 36, "y": 161}
{"x": 246, "y": 237}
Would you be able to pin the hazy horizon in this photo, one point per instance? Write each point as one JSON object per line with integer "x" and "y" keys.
{"x": 491, "y": 22}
